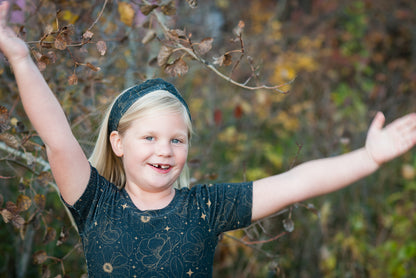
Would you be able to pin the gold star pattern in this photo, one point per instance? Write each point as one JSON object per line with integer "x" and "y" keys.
{"x": 203, "y": 216}
{"x": 167, "y": 228}
{"x": 190, "y": 272}
{"x": 124, "y": 206}
{"x": 209, "y": 203}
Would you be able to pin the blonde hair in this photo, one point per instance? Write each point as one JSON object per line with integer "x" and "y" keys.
{"x": 103, "y": 158}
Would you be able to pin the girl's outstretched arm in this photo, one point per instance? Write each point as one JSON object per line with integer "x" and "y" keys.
{"x": 323, "y": 176}
{"x": 68, "y": 162}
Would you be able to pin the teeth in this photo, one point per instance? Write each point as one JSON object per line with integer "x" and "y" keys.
{"x": 164, "y": 167}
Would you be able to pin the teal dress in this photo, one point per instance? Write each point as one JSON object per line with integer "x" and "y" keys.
{"x": 179, "y": 240}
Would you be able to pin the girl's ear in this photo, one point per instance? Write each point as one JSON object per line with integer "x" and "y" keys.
{"x": 116, "y": 143}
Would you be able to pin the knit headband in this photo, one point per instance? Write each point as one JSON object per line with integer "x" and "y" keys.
{"x": 125, "y": 100}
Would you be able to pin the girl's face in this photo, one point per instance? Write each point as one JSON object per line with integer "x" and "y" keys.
{"x": 154, "y": 150}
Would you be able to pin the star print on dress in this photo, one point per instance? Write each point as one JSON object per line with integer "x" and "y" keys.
{"x": 119, "y": 240}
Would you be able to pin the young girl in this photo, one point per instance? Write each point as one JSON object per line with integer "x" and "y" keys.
{"x": 135, "y": 214}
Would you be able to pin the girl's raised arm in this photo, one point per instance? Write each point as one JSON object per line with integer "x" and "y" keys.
{"x": 68, "y": 162}
{"x": 322, "y": 176}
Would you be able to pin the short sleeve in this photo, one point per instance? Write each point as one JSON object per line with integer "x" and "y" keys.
{"x": 227, "y": 206}
{"x": 86, "y": 207}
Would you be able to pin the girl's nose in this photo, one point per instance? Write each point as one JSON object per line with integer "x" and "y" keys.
{"x": 163, "y": 148}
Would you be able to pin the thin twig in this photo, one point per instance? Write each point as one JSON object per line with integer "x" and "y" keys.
{"x": 213, "y": 68}
{"x": 45, "y": 166}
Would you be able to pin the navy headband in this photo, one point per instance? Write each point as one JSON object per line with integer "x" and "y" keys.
{"x": 124, "y": 101}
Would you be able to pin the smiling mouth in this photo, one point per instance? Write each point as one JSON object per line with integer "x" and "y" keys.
{"x": 161, "y": 166}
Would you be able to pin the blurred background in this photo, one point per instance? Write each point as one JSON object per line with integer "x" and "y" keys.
{"x": 336, "y": 63}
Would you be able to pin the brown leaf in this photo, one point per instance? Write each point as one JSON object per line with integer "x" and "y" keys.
{"x": 177, "y": 34}
{"x": 192, "y": 3}
{"x": 1, "y": 200}
{"x": 240, "y": 28}
{"x": 9, "y": 140}
{"x": 63, "y": 236}
{"x": 88, "y": 35}
{"x": 10, "y": 206}
{"x": 147, "y": 9}
{"x": 224, "y": 60}
{"x": 18, "y": 221}
{"x": 60, "y": 42}
{"x": 7, "y": 215}
{"x": 23, "y": 202}
{"x": 163, "y": 56}
{"x": 91, "y": 66}
{"x": 178, "y": 68}
{"x": 50, "y": 235}
{"x": 73, "y": 79}
{"x": 169, "y": 8}
{"x": 101, "y": 47}
{"x": 4, "y": 119}
{"x": 45, "y": 178}
{"x": 40, "y": 257}
{"x": 126, "y": 12}
{"x": 205, "y": 45}
{"x": 150, "y": 35}
{"x": 40, "y": 201}
{"x": 52, "y": 56}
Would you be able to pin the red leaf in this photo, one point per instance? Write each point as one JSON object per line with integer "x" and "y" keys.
{"x": 218, "y": 117}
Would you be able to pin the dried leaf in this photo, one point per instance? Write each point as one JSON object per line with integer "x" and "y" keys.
{"x": 10, "y": 206}
{"x": 60, "y": 42}
{"x": 163, "y": 56}
{"x": 177, "y": 34}
{"x": 101, "y": 47}
{"x": 23, "y": 202}
{"x": 192, "y": 3}
{"x": 205, "y": 45}
{"x": 40, "y": 201}
{"x": 7, "y": 215}
{"x": 45, "y": 178}
{"x": 9, "y": 140}
{"x": 45, "y": 60}
{"x": 1, "y": 200}
{"x": 147, "y": 9}
{"x": 50, "y": 235}
{"x": 169, "y": 8}
{"x": 126, "y": 12}
{"x": 4, "y": 119}
{"x": 40, "y": 257}
{"x": 288, "y": 225}
{"x": 150, "y": 35}
{"x": 240, "y": 28}
{"x": 177, "y": 68}
{"x": 73, "y": 79}
{"x": 88, "y": 35}
{"x": 224, "y": 60}
{"x": 18, "y": 221}
{"x": 48, "y": 29}
{"x": 91, "y": 66}
{"x": 52, "y": 56}
{"x": 63, "y": 236}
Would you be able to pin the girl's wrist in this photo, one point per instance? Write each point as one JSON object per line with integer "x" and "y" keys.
{"x": 371, "y": 160}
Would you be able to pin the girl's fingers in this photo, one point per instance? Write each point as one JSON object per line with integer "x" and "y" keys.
{"x": 378, "y": 122}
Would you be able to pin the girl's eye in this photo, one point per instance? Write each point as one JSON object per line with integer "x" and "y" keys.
{"x": 149, "y": 138}
{"x": 176, "y": 141}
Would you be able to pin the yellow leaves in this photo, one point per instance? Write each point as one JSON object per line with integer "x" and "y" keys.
{"x": 408, "y": 172}
{"x": 126, "y": 12}
{"x": 69, "y": 17}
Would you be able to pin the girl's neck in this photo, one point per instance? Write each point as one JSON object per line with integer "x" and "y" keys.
{"x": 145, "y": 200}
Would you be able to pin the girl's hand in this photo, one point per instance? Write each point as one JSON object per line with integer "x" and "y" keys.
{"x": 12, "y": 46}
{"x": 384, "y": 144}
